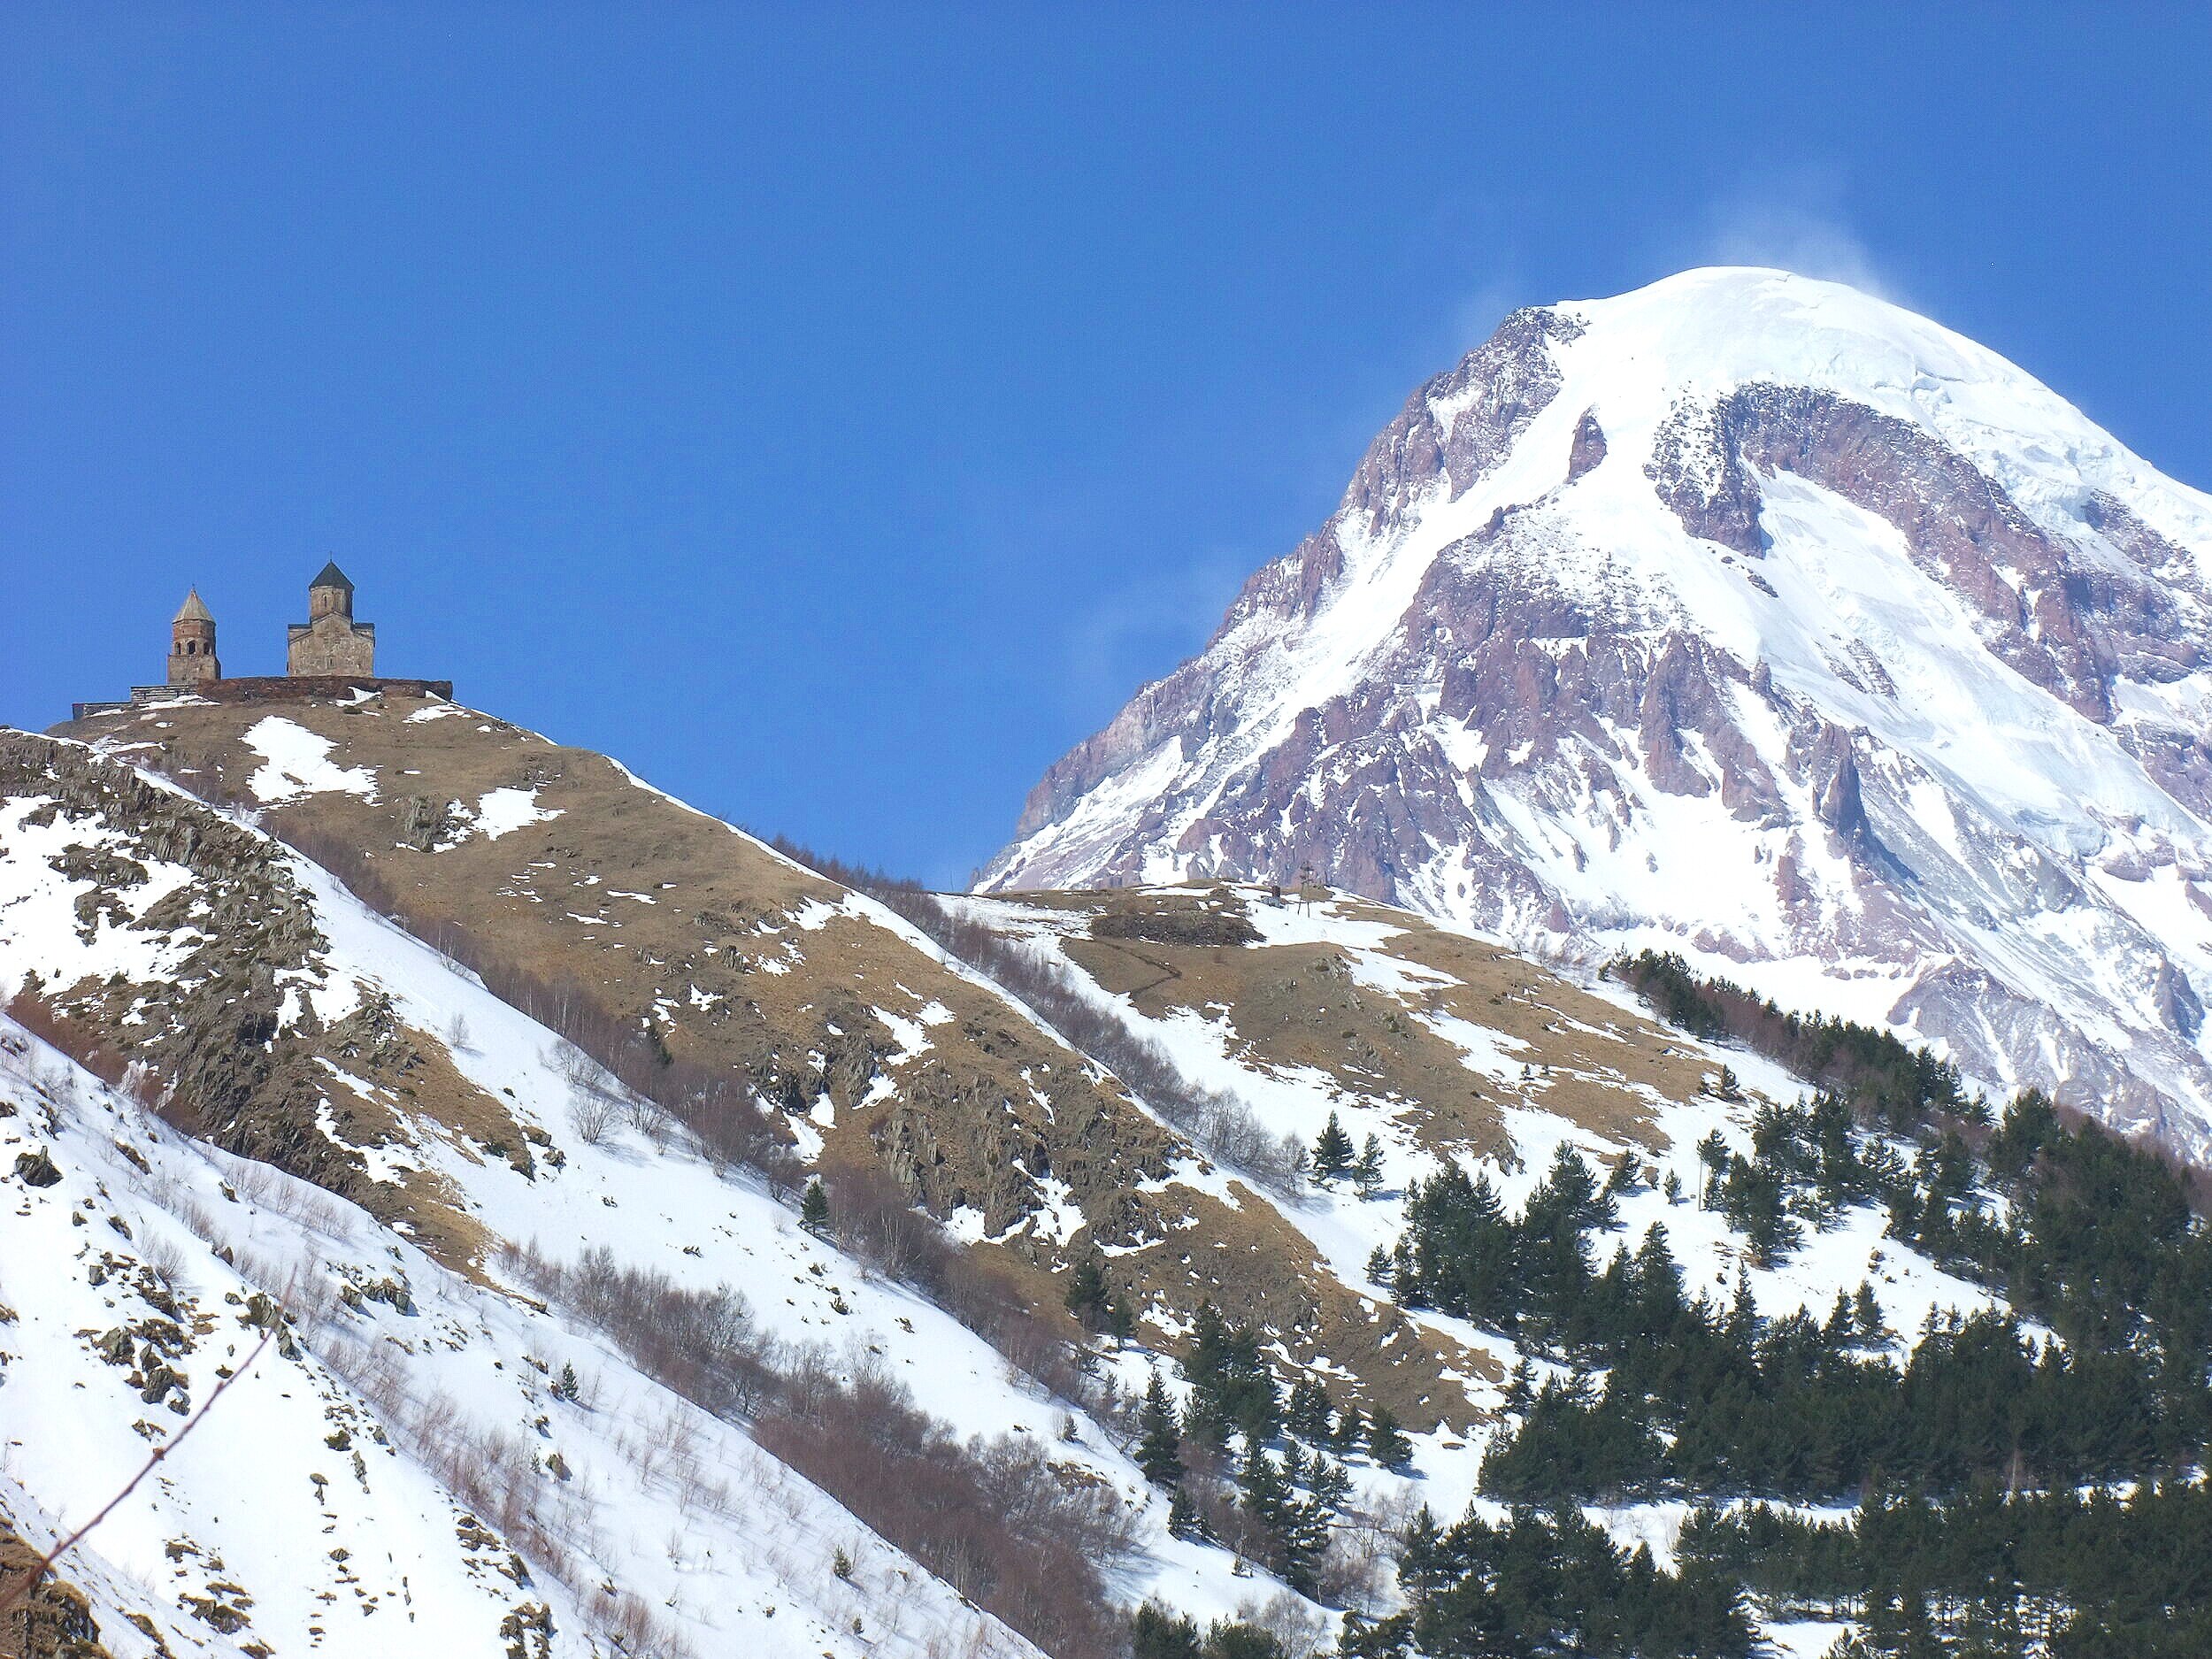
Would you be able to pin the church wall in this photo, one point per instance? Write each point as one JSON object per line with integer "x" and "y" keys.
{"x": 331, "y": 644}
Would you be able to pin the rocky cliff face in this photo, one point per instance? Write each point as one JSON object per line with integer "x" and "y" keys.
{"x": 1745, "y": 616}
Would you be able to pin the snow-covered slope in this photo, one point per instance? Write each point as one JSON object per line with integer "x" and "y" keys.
{"x": 402, "y": 1455}
{"x": 1748, "y": 615}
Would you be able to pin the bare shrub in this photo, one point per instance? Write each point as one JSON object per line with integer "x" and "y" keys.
{"x": 166, "y": 1262}
{"x": 1296, "y": 1623}
{"x": 995, "y": 1518}
{"x": 649, "y": 1118}
{"x": 593, "y": 1117}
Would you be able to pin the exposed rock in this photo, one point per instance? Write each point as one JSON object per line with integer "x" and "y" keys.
{"x": 54, "y": 1621}
{"x": 1589, "y": 446}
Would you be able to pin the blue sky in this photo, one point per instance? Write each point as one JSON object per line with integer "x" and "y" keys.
{"x": 836, "y": 413}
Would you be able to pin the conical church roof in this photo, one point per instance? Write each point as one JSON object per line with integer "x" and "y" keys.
{"x": 331, "y": 576}
{"x": 192, "y": 610}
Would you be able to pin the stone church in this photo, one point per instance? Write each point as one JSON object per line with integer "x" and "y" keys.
{"x": 330, "y": 642}
{"x": 328, "y": 652}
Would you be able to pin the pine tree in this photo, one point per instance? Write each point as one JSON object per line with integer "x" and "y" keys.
{"x": 1713, "y": 1153}
{"x": 1367, "y": 1172}
{"x": 1155, "y": 1632}
{"x": 1423, "y": 1566}
{"x": 1160, "y": 1443}
{"x": 1308, "y": 1413}
{"x": 1265, "y": 1489}
{"x": 1351, "y": 1431}
{"x": 1520, "y": 1388}
{"x": 1182, "y": 1515}
{"x": 1378, "y": 1267}
{"x": 1086, "y": 1295}
{"x": 1121, "y": 1319}
{"x": 1331, "y": 1485}
{"x": 814, "y": 1207}
{"x": 1332, "y": 1153}
{"x": 1387, "y": 1443}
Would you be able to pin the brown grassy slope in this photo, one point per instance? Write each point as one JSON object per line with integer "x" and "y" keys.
{"x": 1299, "y": 1005}
{"x": 742, "y": 961}
{"x": 735, "y": 957}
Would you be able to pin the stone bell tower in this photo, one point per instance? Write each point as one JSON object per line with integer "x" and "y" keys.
{"x": 330, "y": 642}
{"x": 192, "y": 644}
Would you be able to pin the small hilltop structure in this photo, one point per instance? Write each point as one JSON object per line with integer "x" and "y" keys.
{"x": 328, "y": 654}
{"x": 192, "y": 643}
{"x": 330, "y": 642}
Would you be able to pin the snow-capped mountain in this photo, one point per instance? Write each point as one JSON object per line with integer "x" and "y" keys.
{"x": 1750, "y": 617}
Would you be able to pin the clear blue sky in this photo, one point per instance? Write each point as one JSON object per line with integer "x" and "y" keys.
{"x": 837, "y": 413}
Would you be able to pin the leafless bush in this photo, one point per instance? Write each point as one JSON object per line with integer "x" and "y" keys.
{"x": 166, "y": 1262}
{"x": 302, "y": 1201}
{"x": 583, "y": 1074}
{"x": 631, "y": 1628}
{"x": 703, "y": 1344}
{"x": 593, "y": 1117}
{"x": 458, "y": 1036}
{"x": 994, "y": 1518}
{"x": 1297, "y": 1625}
{"x": 648, "y": 1117}
{"x": 254, "y": 1184}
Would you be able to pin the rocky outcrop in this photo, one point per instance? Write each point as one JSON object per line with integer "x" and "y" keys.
{"x": 49, "y": 1620}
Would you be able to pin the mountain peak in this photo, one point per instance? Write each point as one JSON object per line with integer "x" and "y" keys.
{"x": 1746, "y": 615}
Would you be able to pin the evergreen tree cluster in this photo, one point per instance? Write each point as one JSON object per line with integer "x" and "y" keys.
{"x": 1289, "y": 1483}
{"x": 1892, "y": 1080}
{"x": 2057, "y": 1574}
{"x": 1541, "y": 1585}
{"x": 2096, "y": 1240}
{"x": 2014, "y": 1496}
{"x": 1967, "y": 1450}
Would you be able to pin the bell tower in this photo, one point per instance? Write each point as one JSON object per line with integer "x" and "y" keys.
{"x": 192, "y": 644}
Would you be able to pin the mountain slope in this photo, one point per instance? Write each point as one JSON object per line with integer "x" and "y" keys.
{"x": 752, "y": 1399}
{"x": 574, "y": 885}
{"x": 223, "y": 984}
{"x": 1745, "y": 616}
